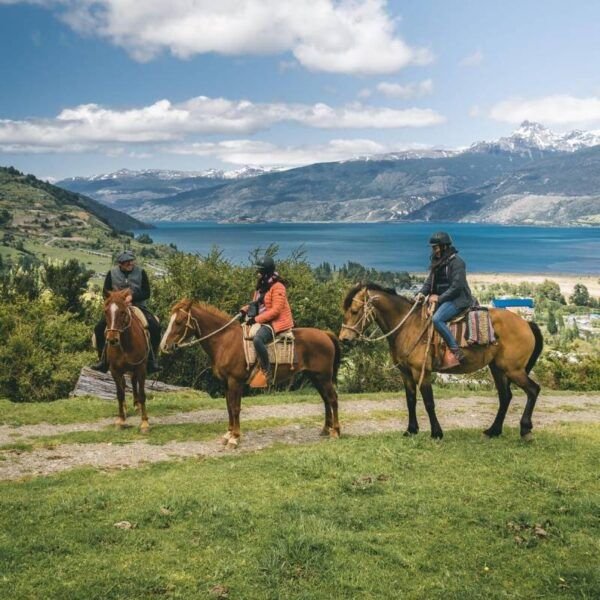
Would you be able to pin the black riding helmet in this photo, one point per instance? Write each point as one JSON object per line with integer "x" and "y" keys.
{"x": 266, "y": 265}
{"x": 440, "y": 238}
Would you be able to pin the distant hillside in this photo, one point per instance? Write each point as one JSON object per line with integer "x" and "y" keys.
{"x": 358, "y": 190}
{"x": 561, "y": 190}
{"x": 43, "y": 220}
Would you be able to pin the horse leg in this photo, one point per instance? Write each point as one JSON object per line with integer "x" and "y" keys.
{"x": 141, "y": 399}
{"x": 410, "y": 387}
{"x": 427, "y": 394}
{"x": 504, "y": 398}
{"x": 532, "y": 389}
{"x": 134, "y": 389}
{"x": 227, "y": 435}
{"x": 328, "y": 393}
{"x": 234, "y": 393}
{"x": 120, "y": 383}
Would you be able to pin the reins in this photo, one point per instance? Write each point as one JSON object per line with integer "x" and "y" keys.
{"x": 196, "y": 328}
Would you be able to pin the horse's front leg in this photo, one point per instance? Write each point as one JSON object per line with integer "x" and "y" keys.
{"x": 427, "y": 394}
{"x": 410, "y": 387}
{"x": 234, "y": 404}
{"x": 120, "y": 383}
{"x": 140, "y": 396}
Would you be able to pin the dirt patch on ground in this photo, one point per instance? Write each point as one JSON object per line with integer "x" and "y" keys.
{"x": 453, "y": 413}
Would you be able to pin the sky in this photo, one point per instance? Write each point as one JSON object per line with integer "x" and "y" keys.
{"x": 93, "y": 86}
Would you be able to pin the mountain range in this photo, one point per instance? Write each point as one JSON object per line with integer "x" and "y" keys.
{"x": 534, "y": 176}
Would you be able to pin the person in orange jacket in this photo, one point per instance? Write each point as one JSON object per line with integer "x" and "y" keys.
{"x": 270, "y": 308}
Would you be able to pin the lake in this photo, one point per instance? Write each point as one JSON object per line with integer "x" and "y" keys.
{"x": 398, "y": 246}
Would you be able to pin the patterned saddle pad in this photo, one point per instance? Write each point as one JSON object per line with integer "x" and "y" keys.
{"x": 281, "y": 351}
{"x": 472, "y": 327}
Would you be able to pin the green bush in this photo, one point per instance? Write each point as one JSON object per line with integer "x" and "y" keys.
{"x": 43, "y": 350}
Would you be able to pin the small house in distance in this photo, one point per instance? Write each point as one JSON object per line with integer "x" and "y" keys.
{"x": 521, "y": 306}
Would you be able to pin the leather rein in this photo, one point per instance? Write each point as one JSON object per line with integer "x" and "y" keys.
{"x": 193, "y": 325}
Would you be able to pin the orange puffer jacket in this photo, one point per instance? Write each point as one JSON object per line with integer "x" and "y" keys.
{"x": 277, "y": 312}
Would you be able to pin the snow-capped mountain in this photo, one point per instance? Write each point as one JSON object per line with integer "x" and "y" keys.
{"x": 168, "y": 175}
{"x": 532, "y": 136}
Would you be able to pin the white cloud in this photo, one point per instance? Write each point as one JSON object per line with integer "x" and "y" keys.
{"x": 163, "y": 121}
{"x": 472, "y": 60}
{"x": 556, "y": 110}
{"x": 336, "y": 36}
{"x": 364, "y": 93}
{"x": 258, "y": 153}
{"x": 409, "y": 90}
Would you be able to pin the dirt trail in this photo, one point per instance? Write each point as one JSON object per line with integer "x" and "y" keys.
{"x": 453, "y": 413}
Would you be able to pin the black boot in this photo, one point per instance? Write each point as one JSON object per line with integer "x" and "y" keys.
{"x": 101, "y": 365}
{"x": 152, "y": 366}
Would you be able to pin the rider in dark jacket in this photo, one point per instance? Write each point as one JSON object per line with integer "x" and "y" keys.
{"x": 447, "y": 285}
{"x": 128, "y": 275}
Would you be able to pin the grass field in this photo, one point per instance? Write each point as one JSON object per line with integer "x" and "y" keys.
{"x": 381, "y": 516}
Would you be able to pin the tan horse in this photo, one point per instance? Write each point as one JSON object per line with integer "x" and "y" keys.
{"x": 317, "y": 351}
{"x": 510, "y": 360}
{"x": 126, "y": 352}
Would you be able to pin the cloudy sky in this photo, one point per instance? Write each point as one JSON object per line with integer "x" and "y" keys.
{"x": 90, "y": 86}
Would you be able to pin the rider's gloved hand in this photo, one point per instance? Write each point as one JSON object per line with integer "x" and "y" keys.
{"x": 420, "y": 298}
{"x": 250, "y": 321}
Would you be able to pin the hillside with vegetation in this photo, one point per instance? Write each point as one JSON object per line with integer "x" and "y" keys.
{"x": 43, "y": 222}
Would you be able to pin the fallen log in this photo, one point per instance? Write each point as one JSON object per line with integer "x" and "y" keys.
{"x": 101, "y": 385}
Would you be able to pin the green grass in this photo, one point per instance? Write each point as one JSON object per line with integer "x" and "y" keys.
{"x": 377, "y": 517}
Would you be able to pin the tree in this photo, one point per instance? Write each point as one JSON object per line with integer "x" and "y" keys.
{"x": 581, "y": 296}
{"x": 550, "y": 290}
{"x": 144, "y": 238}
{"x": 68, "y": 281}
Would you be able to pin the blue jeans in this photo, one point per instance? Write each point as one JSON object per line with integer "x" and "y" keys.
{"x": 444, "y": 313}
{"x": 263, "y": 337}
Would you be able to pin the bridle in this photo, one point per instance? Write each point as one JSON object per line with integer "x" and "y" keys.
{"x": 125, "y": 327}
{"x": 193, "y": 325}
{"x": 368, "y": 317}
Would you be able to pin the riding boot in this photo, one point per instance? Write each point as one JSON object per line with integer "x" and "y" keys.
{"x": 453, "y": 358}
{"x": 102, "y": 364}
{"x": 153, "y": 366}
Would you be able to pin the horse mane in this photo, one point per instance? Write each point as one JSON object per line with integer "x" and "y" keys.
{"x": 370, "y": 285}
{"x": 186, "y": 304}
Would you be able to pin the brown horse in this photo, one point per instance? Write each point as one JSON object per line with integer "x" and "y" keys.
{"x": 510, "y": 360}
{"x": 126, "y": 352}
{"x": 317, "y": 351}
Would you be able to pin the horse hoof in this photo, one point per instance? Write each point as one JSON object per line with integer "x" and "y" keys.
{"x": 527, "y": 437}
{"x": 145, "y": 427}
{"x": 438, "y": 435}
{"x": 226, "y": 438}
{"x": 120, "y": 423}
{"x": 409, "y": 433}
{"x": 325, "y": 432}
{"x": 335, "y": 434}
{"x": 233, "y": 443}
{"x": 491, "y": 433}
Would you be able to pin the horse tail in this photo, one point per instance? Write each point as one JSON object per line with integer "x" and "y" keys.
{"x": 337, "y": 359}
{"x": 537, "y": 349}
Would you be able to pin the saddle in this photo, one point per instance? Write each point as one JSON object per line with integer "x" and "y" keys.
{"x": 139, "y": 314}
{"x": 472, "y": 327}
{"x": 281, "y": 350}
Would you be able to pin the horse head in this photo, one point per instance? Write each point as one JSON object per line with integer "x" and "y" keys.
{"x": 183, "y": 327}
{"x": 358, "y": 314}
{"x": 118, "y": 316}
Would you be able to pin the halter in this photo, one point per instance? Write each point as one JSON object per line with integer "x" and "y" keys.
{"x": 123, "y": 329}
{"x": 368, "y": 317}
{"x": 196, "y": 329}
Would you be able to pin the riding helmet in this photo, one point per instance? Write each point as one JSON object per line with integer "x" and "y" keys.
{"x": 441, "y": 238}
{"x": 266, "y": 265}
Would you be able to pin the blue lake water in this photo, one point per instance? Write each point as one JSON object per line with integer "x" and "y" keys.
{"x": 398, "y": 246}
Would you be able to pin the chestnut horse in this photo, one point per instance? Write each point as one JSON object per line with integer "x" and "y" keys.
{"x": 126, "y": 350}
{"x": 519, "y": 344}
{"x": 317, "y": 352}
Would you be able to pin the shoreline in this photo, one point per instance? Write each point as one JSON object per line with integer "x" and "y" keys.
{"x": 566, "y": 281}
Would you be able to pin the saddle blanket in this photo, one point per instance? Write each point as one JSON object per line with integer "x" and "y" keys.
{"x": 139, "y": 313}
{"x": 473, "y": 328}
{"x": 281, "y": 351}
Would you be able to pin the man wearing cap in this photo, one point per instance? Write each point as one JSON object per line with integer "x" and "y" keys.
{"x": 446, "y": 285}
{"x": 127, "y": 275}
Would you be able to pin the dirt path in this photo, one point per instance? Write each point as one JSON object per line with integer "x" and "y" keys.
{"x": 363, "y": 420}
